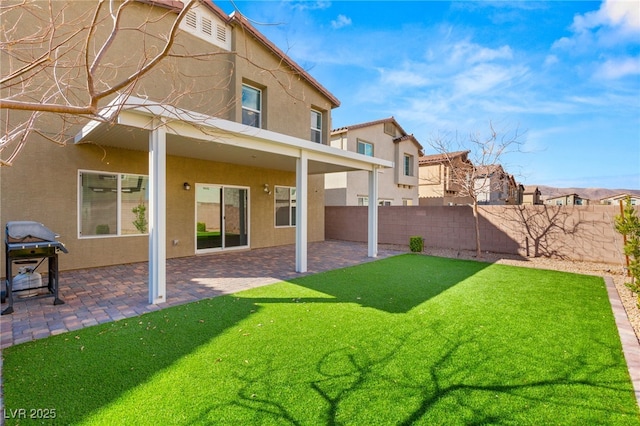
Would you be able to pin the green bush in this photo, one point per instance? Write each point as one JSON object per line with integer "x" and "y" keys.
{"x": 416, "y": 244}
{"x": 201, "y": 227}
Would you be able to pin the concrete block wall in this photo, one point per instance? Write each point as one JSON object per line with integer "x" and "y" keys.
{"x": 582, "y": 233}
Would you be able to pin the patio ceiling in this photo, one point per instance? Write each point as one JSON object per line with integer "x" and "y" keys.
{"x": 193, "y": 135}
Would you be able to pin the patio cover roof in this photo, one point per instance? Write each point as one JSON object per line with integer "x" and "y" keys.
{"x": 161, "y": 130}
{"x": 194, "y": 135}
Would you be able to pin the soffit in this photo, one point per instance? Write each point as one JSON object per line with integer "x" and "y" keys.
{"x": 222, "y": 141}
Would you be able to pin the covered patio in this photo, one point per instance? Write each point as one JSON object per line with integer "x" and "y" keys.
{"x": 99, "y": 295}
{"x": 162, "y": 130}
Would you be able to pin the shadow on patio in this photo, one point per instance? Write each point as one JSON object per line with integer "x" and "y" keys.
{"x": 100, "y": 295}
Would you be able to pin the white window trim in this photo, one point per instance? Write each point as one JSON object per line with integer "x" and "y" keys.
{"x": 258, "y": 111}
{"x": 363, "y": 200}
{"x": 365, "y": 143}
{"x": 291, "y": 216}
{"x": 319, "y": 130}
{"x": 410, "y": 164}
{"x": 118, "y": 233}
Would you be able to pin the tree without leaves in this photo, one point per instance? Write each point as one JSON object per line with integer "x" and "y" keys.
{"x": 473, "y": 178}
{"x": 63, "y": 62}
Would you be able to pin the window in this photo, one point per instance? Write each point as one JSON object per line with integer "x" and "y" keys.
{"x": 285, "y": 206}
{"x": 316, "y": 126}
{"x": 112, "y": 204}
{"x": 383, "y": 202}
{"x": 363, "y": 201}
{"x": 365, "y": 148}
{"x": 251, "y": 106}
{"x": 408, "y": 165}
{"x": 407, "y": 202}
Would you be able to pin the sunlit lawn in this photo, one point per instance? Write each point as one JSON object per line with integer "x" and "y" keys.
{"x": 405, "y": 340}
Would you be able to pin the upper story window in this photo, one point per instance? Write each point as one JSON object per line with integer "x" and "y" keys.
{"x": 316, "y": 126}
{"x": 112, "y": 204}
{"x": 408, "y": 165}
{"x": 365, "y": 148}
{"x": 251, "y": 106}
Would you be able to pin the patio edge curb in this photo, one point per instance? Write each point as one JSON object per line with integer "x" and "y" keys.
{"x": 628, "y": 338}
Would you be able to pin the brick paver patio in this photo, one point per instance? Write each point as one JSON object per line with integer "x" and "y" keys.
{"x": 99, "y": 295}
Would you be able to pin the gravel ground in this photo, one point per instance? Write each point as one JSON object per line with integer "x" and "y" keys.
{"x": 617, "y": 273}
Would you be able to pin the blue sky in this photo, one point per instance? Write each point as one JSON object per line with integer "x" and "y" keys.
{"x": 566, "y": 74}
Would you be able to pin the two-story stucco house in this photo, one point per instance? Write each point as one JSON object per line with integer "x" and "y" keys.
{"x": 531, "y": 195}
{"x": 232, "y": 165}
{"x": 444, "y": 178}
{"x": 386, "y": 139}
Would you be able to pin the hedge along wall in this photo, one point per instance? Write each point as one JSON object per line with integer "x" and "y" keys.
{"x": 583, "y": 233}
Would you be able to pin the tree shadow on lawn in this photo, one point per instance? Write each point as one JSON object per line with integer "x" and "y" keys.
{"x": 405, "y": 367}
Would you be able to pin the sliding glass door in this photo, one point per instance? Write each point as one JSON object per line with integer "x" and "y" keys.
{"x": 222, "y": 217}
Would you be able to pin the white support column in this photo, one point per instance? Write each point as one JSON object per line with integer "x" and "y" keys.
{"x": 372, "y": 232}
{"x": 302, "y": 179}
{"x": 157, "y": 213}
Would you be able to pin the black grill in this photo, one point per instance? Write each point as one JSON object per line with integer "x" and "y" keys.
{"x": 31, "y": 243}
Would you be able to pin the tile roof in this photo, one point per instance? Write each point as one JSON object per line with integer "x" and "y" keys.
{"x": 442, "y": 157}
{"x": 405, "y": 136}
{"x": 370, "y": 123}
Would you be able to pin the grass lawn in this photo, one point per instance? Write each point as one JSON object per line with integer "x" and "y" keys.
{"x": 405, "y": 340}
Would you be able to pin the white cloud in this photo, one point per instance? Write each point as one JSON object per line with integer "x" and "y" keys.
{"x": 471, "y": 53}
{"x": 404, "y": 78}
{"x": 341, "y": 21}
{"x": 550, "y": 60}
{"x": 617, "y": 68}
{"x": 621, "y": 13}
{"x": 616, "y": 20}
{"x": 308, "y": 5}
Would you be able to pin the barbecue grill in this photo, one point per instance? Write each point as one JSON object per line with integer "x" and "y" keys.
{"x": 30, "y": 243}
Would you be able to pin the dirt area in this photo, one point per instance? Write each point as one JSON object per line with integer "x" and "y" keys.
{"x": 617, "y": 273}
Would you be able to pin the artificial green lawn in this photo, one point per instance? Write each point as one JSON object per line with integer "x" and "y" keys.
{"x": 406, "y": 340}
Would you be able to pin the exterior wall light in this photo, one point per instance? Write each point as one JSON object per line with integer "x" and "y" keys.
{"x": 186, "y": 186}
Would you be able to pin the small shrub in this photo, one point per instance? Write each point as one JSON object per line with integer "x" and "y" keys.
{"x": 416, "y": 244}
{"x": 141, "y": 218}
{"x": 201, "y": 227}
{"x": 628, "y": 224}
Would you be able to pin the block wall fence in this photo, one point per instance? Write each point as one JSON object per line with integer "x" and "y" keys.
{"x": 581, "y": 233}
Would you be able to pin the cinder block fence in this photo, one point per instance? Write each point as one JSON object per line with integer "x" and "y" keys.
{"x": 583, "y": 233}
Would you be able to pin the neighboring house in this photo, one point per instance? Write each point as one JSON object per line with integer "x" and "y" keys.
{"x": 441, "y": 176}
{"x": 384, "y": 139}
{"x": 567, "y": 200}
{"x": 235, "y": 166}
{"x": 531, "y": 195}
{"x": 635, "y": 200}
{"x": 494, "y": 186}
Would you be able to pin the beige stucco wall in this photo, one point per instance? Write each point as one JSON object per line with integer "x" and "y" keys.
{"x": 42, "y": 185}
{"x": 52, "y": 198}
{"x": 287, "y": 99}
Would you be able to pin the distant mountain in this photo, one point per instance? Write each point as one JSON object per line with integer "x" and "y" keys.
{"x": 588, "y": 193}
